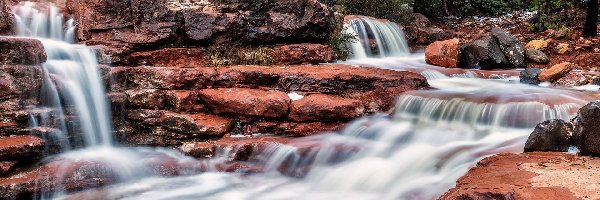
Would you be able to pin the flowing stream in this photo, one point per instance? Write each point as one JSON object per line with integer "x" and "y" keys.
{"x": 432, "y": 138}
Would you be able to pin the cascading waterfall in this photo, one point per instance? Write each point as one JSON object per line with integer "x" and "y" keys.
{"x": 387, "y": 37}
{"x": 418, "y": 153}
{"x": 71, "y": 72}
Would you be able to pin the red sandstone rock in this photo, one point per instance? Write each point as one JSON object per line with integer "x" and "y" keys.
{"x": 169, "y": 57}
{"x": 303, "y": 54}
{"x": 307, "y": 129}
{"x": 21, "y": 51}
{"x": 319, "y": 107}
{"x": 184, "y": 101}
{"x": 153, "y": 99}
{"x": 6, "y": 167}
{"x": 196, "y": 124}
{"x": 18, "y": 81}
{"x": 6, "y": 18}
{"x": 246, "y": 102}
{"x": 20, "y": 147}
{"x": 529, "y": 176}
{"x": 443, "y": 53}
{"x": 163, "y": 78}
{"x": 557, "y": 71}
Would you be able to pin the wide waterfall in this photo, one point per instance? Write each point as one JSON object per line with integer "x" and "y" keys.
{"x": 375, "y": 38}
{"x": 71, "y": 72}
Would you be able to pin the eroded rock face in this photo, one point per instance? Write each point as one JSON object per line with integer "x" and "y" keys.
{"x": 443, "y": 53}
{"x": 21, "y": 51}
{"x": 586, "y": 133}
{"x": 6, "y": 18}
{"x": 160, "y": 102}
{"x": 420, "y": 32}
{"x": 318, "y": 107}
{"x": 246, "y": 102}
{"x": 552, "y": 135}
{"x": 144, "y": 22}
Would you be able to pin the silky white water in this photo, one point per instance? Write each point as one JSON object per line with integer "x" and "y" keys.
{"x": 432, "y": 138}
{"x": 387, "y": 37}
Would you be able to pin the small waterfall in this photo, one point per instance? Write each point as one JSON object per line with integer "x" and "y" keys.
{"x": 375, "y": 38}
{"x": 72, "y": 78}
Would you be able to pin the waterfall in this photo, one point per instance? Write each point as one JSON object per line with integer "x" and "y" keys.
{"x": 71, "y": 79}
{"x": 375, "y": 38}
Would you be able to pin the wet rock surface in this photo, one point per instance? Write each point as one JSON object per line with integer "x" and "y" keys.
{"x": 586, "y": 133}
{"x": 510, "y": 46}
{"x": 246, "y": 102}
{"x": 6, "y": 18}
{"x": 552, "y": 135}
{"x": 537, "y": 175}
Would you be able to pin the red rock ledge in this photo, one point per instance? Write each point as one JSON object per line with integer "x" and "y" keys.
{"x": 530, "y": 176}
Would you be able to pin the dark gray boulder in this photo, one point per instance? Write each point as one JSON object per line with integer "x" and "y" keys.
{"x": 587, "y": 132}
{"x": 510, "y": 46}
{"x": 483, "y": 54}
{"x": 530, "y": 76}
{"x": 552, "y": 135}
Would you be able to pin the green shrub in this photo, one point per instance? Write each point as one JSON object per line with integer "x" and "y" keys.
{"x": 553, "y": 14}
{"x": 435, "y": 8}
{"x": 393, "y": 10}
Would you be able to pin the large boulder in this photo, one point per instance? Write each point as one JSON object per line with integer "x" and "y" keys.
{"x": 586, "y": 132}
{"x": 556, "y": 72}
{"x": 443, "y": 53}
{"x": 21, "y": 51}
{"x": 551, "y": 135}
{"x": 484, "y": 53}
{"x": 510, "y": 46}
{"x": 145, "y": 22}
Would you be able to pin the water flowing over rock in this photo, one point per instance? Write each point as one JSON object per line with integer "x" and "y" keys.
{"x": 375, "y": 38}
{"x": 553, "y": 135}
{"x": 443, "y": 53}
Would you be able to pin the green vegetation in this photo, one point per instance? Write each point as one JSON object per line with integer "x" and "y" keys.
{"x": 225, "y": 56}
{"x": 393, "y": 10}
{"x": 439, "y": 8}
